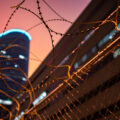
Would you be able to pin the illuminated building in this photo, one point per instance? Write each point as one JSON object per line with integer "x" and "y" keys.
{"x": 14, "y": 54}
{"x": 93, "y": 94}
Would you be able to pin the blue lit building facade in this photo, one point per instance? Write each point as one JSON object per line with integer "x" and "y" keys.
{"x": 14, "y": 54}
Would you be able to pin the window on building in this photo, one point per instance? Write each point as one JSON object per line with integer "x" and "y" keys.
{"x": 116, "y": 53}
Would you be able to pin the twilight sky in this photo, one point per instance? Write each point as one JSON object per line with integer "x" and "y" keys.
{"x": 40, "y": 44}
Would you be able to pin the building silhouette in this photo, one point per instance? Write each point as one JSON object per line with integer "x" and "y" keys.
{"x": 93, "y": 92}
{"x": 14, "y": 54}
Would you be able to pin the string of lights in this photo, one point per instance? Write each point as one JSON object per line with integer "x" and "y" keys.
{"x": 67, "y": 80}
